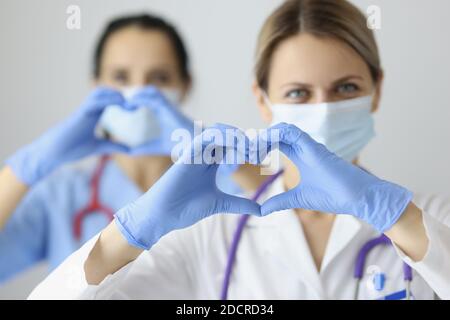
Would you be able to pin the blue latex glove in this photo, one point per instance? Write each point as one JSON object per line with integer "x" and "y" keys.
{"x": 331, "y": 184}
{"x": 168, "y": 116}
{"x": 70, "y": 140}
{"x": 184, "y": 195}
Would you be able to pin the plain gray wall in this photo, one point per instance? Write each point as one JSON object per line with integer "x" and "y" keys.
{"x": 45, "y": 70}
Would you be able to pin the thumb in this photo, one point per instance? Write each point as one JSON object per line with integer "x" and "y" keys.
{"x": 99, "y": 99}
{"x": 233, "y": 204}
{"x": 283, "y": 201}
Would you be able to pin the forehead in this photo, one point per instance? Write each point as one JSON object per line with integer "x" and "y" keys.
{"x": 136, "y": 46}
{"x": 315, "y": 60}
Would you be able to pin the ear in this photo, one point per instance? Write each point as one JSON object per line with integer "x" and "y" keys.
{"x": 264, "y": 109}
{"x": 378, "y": 91}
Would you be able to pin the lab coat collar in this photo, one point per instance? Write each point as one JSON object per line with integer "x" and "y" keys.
{"x": 344, "y": 230}
{"x": 287, "y": 241}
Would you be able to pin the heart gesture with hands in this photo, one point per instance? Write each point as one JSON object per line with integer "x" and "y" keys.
{"x": 187, "y": 192}
{"x": 333, "y": 185}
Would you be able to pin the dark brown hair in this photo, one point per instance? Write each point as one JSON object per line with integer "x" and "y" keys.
{"x": 146, "y": 22}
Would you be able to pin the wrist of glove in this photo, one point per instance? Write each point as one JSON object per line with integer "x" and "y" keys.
{"x": 28, "y": 166}
{"x": 382, "y": 204}
{"x": 70, "y": 140}
{"x": 140, "y": 233}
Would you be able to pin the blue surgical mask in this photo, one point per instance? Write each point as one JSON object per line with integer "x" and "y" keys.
{"x": 344, "y": 127}
{"x": 136, "y": 127}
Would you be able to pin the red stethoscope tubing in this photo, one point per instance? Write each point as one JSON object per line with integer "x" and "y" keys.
{"x": 94, "y": 205}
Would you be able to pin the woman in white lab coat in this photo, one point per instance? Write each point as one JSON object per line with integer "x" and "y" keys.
{"x": 317, "y": 68}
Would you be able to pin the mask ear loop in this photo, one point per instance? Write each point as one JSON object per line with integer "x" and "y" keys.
{"x": 271, "y": 165}
{"x": 266, "y": 99}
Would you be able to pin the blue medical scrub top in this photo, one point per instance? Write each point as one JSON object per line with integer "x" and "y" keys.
{"x": 41, "y": 228}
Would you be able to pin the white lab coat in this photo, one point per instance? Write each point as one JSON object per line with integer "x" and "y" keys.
{"x": 273, "y": 262}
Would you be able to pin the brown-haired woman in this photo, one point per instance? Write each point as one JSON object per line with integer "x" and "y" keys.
{"x": 49, "y": 207}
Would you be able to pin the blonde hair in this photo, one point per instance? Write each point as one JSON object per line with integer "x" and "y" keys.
{"x": 338, "y": 19}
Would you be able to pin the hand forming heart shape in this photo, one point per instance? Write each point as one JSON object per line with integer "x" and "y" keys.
{"x": 328, "y": 183}
{"x": 187, "y": 192}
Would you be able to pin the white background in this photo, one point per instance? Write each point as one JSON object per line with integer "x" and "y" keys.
{"x": 45, "y": 74}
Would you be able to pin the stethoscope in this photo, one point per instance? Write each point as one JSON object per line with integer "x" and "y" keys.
{"x": 359, "y": 263}
{"x": 94, "y": 205}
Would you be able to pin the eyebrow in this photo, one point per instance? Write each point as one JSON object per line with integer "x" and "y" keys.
{"x": 340, "y": 80}
{"x": 346, "y": 78}
{"x": 299, "y": 84}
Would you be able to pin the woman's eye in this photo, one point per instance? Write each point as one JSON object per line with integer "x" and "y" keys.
{"x": 347, "y": 88}
{"x": 160, "y": 79}
{"x": 121, "y": 78}
{"x": 297, "y": 94}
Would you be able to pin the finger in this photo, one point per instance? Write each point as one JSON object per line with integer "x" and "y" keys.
{"x": 146, "y": 92}
{"x": 102, "y": 97}
{"x": 296, "y": 143}
{"x": 230, "y": 134}
{"x": 283, "y": 201}
{"x": 260, "y": 147}
{"x": 236, "y": 144}
{"x": 149, "y": 97}
{"x": 307, "y": 146}
{"x": 285, "y": 133}
{"x": 267, "y": 141}
{"x": 214, "y": 143}
{"x": 238, "y": 205}
{"x": 102, "y": 92}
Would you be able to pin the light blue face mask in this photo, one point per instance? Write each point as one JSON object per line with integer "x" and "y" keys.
{"x": 344, "y": 127}
{"x": 132, "y": 128}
